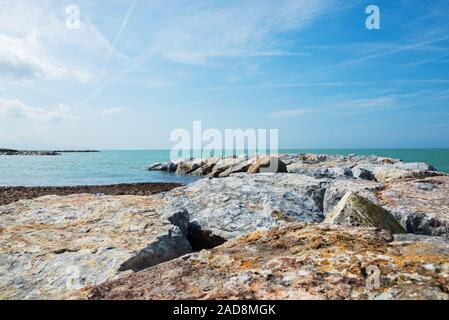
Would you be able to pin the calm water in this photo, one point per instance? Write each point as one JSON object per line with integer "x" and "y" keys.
{"x": 110, "y": 167}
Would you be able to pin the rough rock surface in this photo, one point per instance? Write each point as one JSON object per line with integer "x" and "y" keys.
{"x": 296, "y": 261}
{"x": 358, "y": 211}
{"x": 265, "y": 164}
{"x": 421, "y": 205}
{"x": 53, "y": 244}
{"x": 243, "y": 203}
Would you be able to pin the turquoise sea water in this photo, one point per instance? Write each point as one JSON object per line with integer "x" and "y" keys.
{"x": 111, "y": 167}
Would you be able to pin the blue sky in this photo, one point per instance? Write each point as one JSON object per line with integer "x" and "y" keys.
{"x": 136, "y": 70}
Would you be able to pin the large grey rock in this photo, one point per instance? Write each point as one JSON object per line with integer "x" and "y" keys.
{"x": 339, "y": 187}
{"x": 358, "y": 211}
{"x": 234, "y": 206}
{"x": 52, "y": 245}
{"x": 334, "y": 172}
{"x": 362, "y": 173}
{"x": 421, "y": 205}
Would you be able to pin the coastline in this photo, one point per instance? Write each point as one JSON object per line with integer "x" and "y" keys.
{"x": 12, "y": 194}
{"x": 244, "y": 218}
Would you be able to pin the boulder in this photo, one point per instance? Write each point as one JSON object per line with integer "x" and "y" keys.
{"x": 52, "y": 245}
{"x": 337, "y": 188}
{"x": 241, "y": 166}
{"x": 386, "y": 174}
{"x": 267, "y": 164}
{"x": 333, "y": 172}
{"x": 358, "y": 211}
{"x": 188, "y": 166}
{"x": 296, "y": 261}
{"x": 362, "y": 173}
{"x": 207, "y": 166}
{"x": 242, "y": 203}
{"x": 223, "y": 164}
{"x": 421, "y": 205}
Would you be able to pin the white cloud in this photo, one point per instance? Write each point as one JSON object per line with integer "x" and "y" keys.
{"x": 113, "y": 111}
{"x": 22, "y": 58}
{"x": 291, "y": 113}
{"x": 35, "y": 44}
{"x": 194, "y": 34}
{"x": 350, "y": 106}
{"x": 197, "y": 33}
{"x": 376, "y": 103}
{"x": 14, "y": 108}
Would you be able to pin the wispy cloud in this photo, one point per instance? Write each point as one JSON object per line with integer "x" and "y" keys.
{"x": 292, "y": 113}
{"x": 14, "y": 108}
{"x": 31, "y": 38}
{"x": 112, "y": 111}
{"x": 350, "y": 106}
{"x": 197, "y": 34}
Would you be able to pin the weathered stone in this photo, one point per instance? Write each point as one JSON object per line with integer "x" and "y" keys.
{"x": 159, "y": 167}
{"x": 223, "y": 164}
{"x": 207, "y": 166}
{"x": 52, "y": 244}
{"x": 339, "y": 187}
{"x": 394, "y": 174}
{"x": 296, "y": 261}
{"x": 317, "y": 166}
{"x": 358, "y": 211}
{"x": 187, "y": 167}
{"x": 267, "y": 164}
{"x": 242, "y": 203}
{"x": 422, "y": 205}
{"x": 361, "y": 173}
{"x": 242, "y": 166}
{"x": 334, "y": 172}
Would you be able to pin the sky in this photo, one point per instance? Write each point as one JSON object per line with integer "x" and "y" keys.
{"x": 135, "y": 70}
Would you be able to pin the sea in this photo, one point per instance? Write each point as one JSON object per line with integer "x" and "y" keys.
{"x": 130, "y": 166}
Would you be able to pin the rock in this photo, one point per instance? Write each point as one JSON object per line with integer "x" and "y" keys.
{"x": 339, "y": 187}
{"x": 335, "y": 172}
{"x": 296, "y": 261}
{"x": 386, "y": 174}
{"x": 241, "y": 166}
{"x": 223, "y": 164}
{"x": 186, "y": 167}
{"x": 422, "y": 205}
{"x": 51, "y": 245}
{"x": 317, "y": 166}
{"x": 358, "y": 211}
{"x": 414, "y": 166}
{"x": 158, "y": 167}
{"x": 267, "y": 164}
{"x": 206, "y": 167}
{"x": 361, "y": 173}
{"x": 242, "y": 203}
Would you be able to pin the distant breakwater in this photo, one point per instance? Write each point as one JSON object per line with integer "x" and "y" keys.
{"x": 12, "y": 152}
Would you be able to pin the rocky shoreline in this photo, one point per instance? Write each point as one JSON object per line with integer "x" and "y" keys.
{"x": 12, "y": 194}
{"x": 265, "y": 227}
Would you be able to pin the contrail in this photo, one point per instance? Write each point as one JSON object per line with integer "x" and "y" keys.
{"x": 116, "y": 40}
